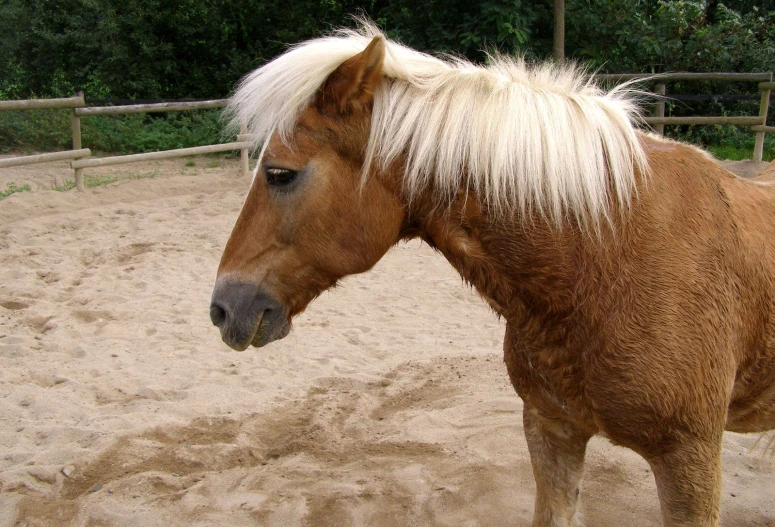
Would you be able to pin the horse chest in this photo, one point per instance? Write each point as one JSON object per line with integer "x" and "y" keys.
{"x": 550, "y": 378}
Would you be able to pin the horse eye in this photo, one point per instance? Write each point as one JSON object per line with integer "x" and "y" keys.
{"x": 279, "y": 177}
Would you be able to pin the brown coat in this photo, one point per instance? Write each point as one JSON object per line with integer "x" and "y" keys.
{"x": 657, "y": 332}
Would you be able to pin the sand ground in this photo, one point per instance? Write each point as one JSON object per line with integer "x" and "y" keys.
{"x": 388, "y": 405}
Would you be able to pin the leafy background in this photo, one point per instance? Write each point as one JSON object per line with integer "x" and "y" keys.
{"x": 196, "y": 49}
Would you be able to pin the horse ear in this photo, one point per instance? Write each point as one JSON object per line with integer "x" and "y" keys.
{"x": 351, "y": 86}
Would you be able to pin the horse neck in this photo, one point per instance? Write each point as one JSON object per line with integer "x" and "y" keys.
{"x": 526, "y": 269}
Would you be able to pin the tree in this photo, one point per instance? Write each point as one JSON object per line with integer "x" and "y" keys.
{"x": 200, "y": 48}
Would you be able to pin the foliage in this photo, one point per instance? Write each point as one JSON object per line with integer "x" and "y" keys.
{"x": 741, "y": 147}
{"x": 99, "y": 181}
{"x": 670, "y": 35}
{"x": 656, "y": 36}
{"x": 147, "y": 48}
{"x": 31, "y": 130}
{"x": 12, "y": 188}
{"x": 46, "y": 130}
{"x": 88, "y": 182}
{"x": 200, "y": 48}
{"x": 462, "y": 27}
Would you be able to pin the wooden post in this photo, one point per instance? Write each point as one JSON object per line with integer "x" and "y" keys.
{"x": 559, "y": 30}
{"x": 76, "y": 127}
{"x": 244, "y": 152}
{"x": 764, "y": 105}
{"x": 659, "y": 109}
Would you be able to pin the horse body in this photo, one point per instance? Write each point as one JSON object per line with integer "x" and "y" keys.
{"x": 658, "y": 335}
{"x": 651, "y": 324}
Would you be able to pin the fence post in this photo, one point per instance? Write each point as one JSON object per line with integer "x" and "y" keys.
{"x": 758, "y": 148}
{"x": 244, "y": 152}
{"x": 76, "y": 127}
{"x": 559, "y": 30}
{"x": 659, "y": 109}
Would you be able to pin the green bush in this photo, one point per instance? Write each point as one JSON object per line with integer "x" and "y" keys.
{"x": 47, "y": 130}
{"x": 152, "y": 49}
{"x": 35, "y": 130}
{"x": 13, "y": 188}
{"x": 725, "y": 142}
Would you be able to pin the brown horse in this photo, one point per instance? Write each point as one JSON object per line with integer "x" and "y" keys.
{"x": 768, "y": 173}
{"x": 636, "y": 276}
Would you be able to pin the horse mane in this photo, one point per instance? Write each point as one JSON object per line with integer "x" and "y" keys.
{"x": 528, "y": 137}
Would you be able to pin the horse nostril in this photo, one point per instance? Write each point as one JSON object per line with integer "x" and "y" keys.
{"x": 217, "y": 314}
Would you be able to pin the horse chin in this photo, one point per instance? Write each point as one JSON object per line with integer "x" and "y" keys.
{"x": 268, "y": 333}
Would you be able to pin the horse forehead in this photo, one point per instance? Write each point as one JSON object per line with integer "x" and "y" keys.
{"x": 296, "y": 148}
{"x": 310, "y": 132}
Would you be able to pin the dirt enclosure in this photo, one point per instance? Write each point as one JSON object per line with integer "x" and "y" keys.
{"x": 388, "y": 405}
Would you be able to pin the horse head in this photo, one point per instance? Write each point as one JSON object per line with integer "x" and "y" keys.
{"x": 309, "y": 218}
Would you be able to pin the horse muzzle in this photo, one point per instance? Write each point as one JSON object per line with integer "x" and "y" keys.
{"x": 246, "y": 314}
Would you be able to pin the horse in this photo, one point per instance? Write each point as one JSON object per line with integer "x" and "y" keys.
{"x": 768, "y": 173}
{"x": 635, "y": 275}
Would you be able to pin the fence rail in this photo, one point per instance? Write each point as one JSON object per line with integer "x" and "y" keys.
{"x": 148, "y": 108}
{"x": 658, "y": 120}
{"x": 738, "y": 120}
{"x": 44, "y": 104}
{"x": 684, "y": 76}
{"x": 166, "y": 154}
{"x": 44, "y": 158}
{"x": 81, "y": 157}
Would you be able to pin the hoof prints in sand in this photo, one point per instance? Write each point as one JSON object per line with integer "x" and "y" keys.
{"x": 346, "y": 454}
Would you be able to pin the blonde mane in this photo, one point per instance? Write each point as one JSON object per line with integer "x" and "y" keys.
{"x": 525, "y": 137}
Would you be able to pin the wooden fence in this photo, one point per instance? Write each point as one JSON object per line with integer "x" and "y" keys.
{"x": 80, "y": 158}
{"x": 658, "y": 121}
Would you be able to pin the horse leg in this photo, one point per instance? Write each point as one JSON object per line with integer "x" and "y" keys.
{"x": 688, "y": 481}
{"x": 557, "y": 454}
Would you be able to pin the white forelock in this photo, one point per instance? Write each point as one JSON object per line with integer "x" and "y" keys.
{"x": 529, "y": 137}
